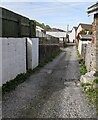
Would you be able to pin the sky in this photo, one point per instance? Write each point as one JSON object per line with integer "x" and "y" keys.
{"x": 57, "y": 13}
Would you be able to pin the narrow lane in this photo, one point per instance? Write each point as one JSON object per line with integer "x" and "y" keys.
{"x": 53, "y": 92}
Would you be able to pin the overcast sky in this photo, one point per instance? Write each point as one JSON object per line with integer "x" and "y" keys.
{"x": 57, "y": 14}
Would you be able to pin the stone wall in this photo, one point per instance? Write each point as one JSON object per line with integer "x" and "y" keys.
{"x": 91, "y": 59}
{"x": 95, "y": 43}
{"x": 96, "y": 40}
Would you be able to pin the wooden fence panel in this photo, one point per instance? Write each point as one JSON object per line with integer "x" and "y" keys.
{"x": 15, "y": 25}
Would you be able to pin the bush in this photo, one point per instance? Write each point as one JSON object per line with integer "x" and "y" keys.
{"x": 85, "y": 84}
{"x": 78, "y": 54}
{"x": 95, "y": 81}
{"x": 83, "y": 70}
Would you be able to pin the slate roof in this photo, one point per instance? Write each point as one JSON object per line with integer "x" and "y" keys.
{"x": 75, "y": 28}
{"x": 85, "y": 26}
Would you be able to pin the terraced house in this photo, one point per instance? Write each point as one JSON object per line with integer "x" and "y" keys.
{"x": 93, "y": 10}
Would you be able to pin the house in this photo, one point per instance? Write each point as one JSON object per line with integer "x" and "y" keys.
{"x": 93, "y": 10}
{"x": 83, "y": 29}
{"x": 83, "y": 26}
{"x": 40, "y": 32}
{"x": 83, "y": 41}
{"x": 57, "y": 33}
{"x": 72, "y": 34}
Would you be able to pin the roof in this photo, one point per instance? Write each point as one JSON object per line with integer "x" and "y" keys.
{"x": 75, "y": 28}
{"x": 85, "y": 26}
{"x": 93, "y": 9}
{"x": 88, "y": 37}
{"x": 56, "y": 30}
{"x": 56, "y": 34}
{"x": 38, "y": 27}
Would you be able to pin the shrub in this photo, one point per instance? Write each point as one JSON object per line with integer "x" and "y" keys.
{"x": 78, "y": 54}
{"x": 95, "y": 81}
{"x": 83, "y": 70}
{"x": 85, "y": 84}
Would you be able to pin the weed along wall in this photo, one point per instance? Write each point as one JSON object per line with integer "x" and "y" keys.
{"x": 13, "y": 57}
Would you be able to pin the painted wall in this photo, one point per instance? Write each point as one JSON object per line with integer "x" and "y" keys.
{"x": 33, "y": 52}
{"x": 81, "y": 44}
{"x": 79, "y": 29}
{"x": 13, "y": 57}
{"x": 72, "y": 35}
{"x": 40, "y": 34}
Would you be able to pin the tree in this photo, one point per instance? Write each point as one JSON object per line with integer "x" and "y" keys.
{"x": 83, "y": 32}
{"x": 47, "y": 27}
{"x": 90, "y": 32}
{"x": 42, "y": 25}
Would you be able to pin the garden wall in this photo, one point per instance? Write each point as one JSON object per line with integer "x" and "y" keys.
{"x": 13, "y": 57}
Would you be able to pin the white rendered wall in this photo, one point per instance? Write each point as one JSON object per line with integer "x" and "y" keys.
{"x": 13, "y": 58}
{"x": 40, "y": 34}
{"x": 79, "y": 29}
{"x": 72, "y": 35}
{"x": 80, "y": 45}
{"x": 33, "y": 52}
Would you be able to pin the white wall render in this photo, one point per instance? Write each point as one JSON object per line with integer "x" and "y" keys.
{"x": 33, "y": 52}
{"x": 13, "y": 57}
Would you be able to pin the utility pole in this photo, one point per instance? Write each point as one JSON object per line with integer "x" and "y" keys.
{"x": 67, "y": 33}
{"x": 67, "y": 28}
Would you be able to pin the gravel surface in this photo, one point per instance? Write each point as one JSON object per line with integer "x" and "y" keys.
{"x": 53, "y": 92}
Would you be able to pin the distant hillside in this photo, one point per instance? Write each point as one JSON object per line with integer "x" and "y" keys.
{"x": 42, "y": 25}
{"x": 56, "y": 30}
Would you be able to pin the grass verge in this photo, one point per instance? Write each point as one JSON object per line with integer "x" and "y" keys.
{"x": 91, "y": 91}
